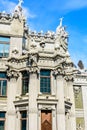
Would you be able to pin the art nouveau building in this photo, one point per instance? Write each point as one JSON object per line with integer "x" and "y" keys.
{"x": 40, "y": 89}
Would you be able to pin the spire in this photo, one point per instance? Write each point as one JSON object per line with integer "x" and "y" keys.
{"x": 61, "y": 20}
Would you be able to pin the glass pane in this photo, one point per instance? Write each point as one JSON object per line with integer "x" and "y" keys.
{"x": 6, "y": 50}
{"x": 45, "y": 72}
{"x": 1, "y": 82}
{"x": 25, "y": 74}
{"x": 23, "y": 125}
{"x": 4, "y": 88}
{"x": 2, "y": 114}
{"x": 24, "y": 86}
{"x": 6, "y": 39}
{"x": 45, "y": 84}
{"x": 25, "y": 82}
{"x": 1, "y": 125}
{"x": 4, "y": 46}
{"x": 2, "y": 75}
{"x": 24, "y": 114}
{"x": 1, "y": 49}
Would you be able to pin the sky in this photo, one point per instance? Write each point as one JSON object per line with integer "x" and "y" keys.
{"x": 45, "y": 14}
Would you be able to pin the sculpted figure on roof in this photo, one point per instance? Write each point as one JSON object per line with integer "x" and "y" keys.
{"x": 18, "y": 8}
{"x": 61, "y": 35}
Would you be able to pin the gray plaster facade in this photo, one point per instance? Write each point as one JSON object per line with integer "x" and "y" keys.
{"x": 40, "y": 79}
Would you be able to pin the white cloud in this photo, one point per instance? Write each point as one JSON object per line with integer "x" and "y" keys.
{"x": 65, "y": 5}
{"x": 75, "y": 4}
{"x": 27, "y": 13}
{"x": 9, "y": 6}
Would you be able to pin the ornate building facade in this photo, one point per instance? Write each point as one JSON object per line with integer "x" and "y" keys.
{"x": 40, "y": 88}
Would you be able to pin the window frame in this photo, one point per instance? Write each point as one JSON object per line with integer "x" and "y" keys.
{"x": 1, "y": 87}
{"x": 3, "y": 118}
{"x": 4, "y": 44}
{"x": 47, "y": 77}
{"x": 23, "y": 119}
{"x": 25, "y": 79}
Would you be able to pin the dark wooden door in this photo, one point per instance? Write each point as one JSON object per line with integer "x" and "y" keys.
{"x": 46, "y": 120}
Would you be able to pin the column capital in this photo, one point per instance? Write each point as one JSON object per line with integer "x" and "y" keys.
{"x": 58, "y": 71}
{"x": 69, "y": 77}
{"x": 12, "y": 74}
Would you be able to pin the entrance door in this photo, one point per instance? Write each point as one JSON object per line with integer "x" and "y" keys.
{"x": 46, "y": 120}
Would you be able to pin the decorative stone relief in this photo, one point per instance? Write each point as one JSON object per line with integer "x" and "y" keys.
{"x": 58, "y": 71}
{"x": 5, "y": 18}
{"x": 79, "y": 127}
{"x": 33, "y": 70}
{"x": 12, "y": 74}
{"x": 33, "y": 44}
{"x": 18, "y": 14}
{"x": 69, "y": 77}
{"x": 77, "y": 90}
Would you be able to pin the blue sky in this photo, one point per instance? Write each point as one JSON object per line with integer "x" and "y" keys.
{"x": 44, "y": 15}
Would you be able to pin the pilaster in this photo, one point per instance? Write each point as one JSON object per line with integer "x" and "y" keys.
{"x": 70, "y": 116}
{"x": 32, "y": 101}
{"x": 60, "y": 105}
{"x": 11, "y": 112}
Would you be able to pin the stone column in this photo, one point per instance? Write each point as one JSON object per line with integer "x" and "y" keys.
{"x": 11, "y": 112}
{"x": 33, "y": 84}
{"x": 70, "y": 119}
{"x": 60, "y": 104}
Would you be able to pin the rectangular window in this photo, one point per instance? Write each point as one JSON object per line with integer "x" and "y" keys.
{"x": 25, "y": 82}
{"x": 4, "y": 46}
{"x": 45, "y": 79}
{"x": 23, "y": 120}
{"x": 3, "y": 84}
{"x": 2, "y": 120}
